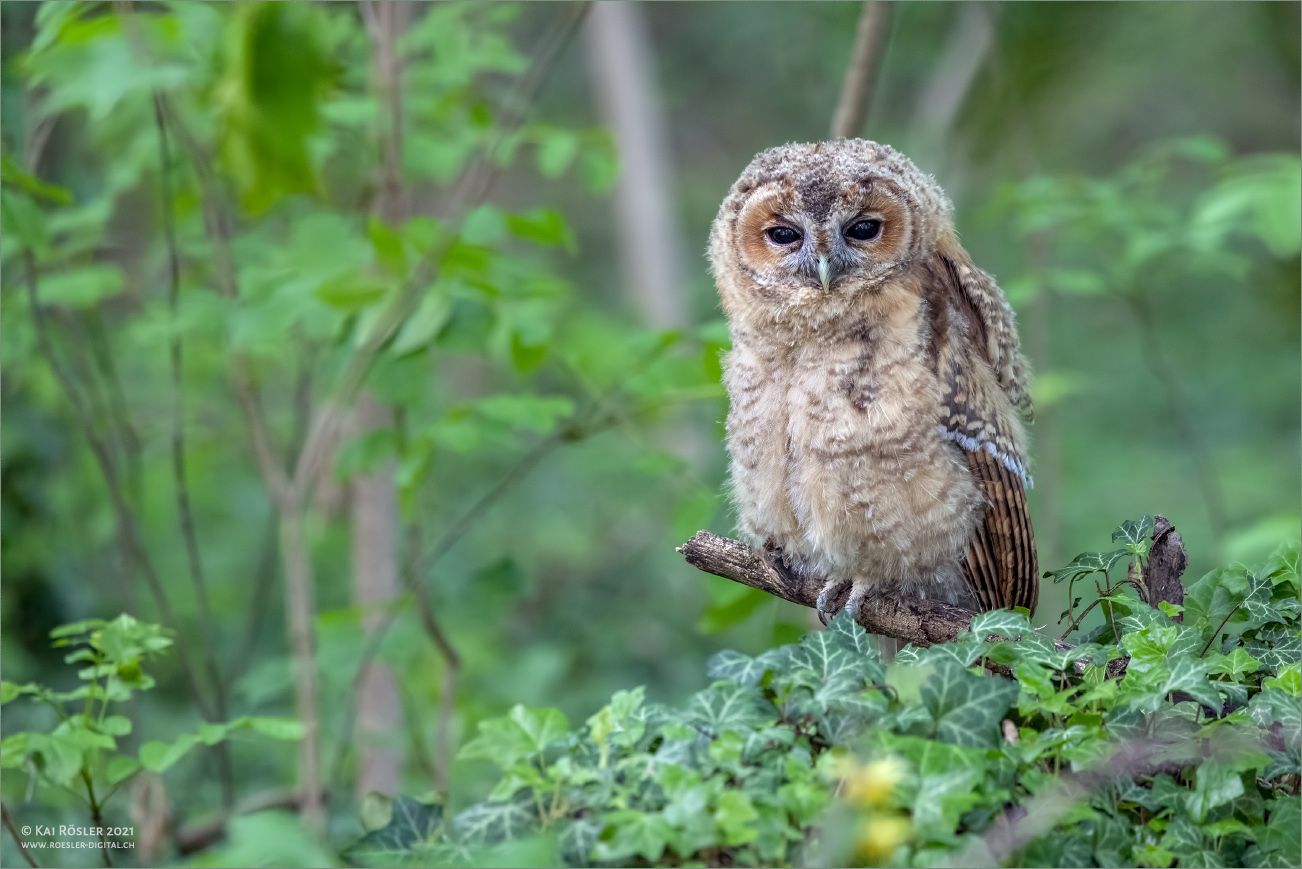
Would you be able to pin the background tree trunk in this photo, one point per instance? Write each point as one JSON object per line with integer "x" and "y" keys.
{"x": 650, "y": 245}
{"x": 374, "y": 502}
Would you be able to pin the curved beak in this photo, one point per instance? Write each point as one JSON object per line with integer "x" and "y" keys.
{"x": 825, "y": 272}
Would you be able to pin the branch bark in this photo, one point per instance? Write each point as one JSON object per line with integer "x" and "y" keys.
{"x": 914, "y": 620}
{"x": 911, "y": 619}
{"x": 861, "y": 74}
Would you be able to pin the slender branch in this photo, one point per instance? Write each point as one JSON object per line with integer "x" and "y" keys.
{"x": 128, "y": 531}
{"x": 184, "y": 510}
{"x": 9, "y": 825}
{"x": 861, "y": 75}
{"x": 115, "y": 404}
{"x": 451, "y": 667}
{"x": 288, "y": 498}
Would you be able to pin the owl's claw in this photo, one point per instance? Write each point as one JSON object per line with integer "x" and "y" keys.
{"x": 830, "y": 588}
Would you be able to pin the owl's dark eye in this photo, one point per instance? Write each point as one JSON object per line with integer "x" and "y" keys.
{"x": 865, "y": 230}
{"x": 783, "y": 235}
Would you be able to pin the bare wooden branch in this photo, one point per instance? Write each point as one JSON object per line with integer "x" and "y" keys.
{"x": 914, "y": 620}
{"x": 911, "y": 619}
{"x": 861, "y": 74}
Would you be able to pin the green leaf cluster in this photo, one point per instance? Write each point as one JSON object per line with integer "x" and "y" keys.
{"x": 80, "y": 753}
{"x": 1189, "y": 756}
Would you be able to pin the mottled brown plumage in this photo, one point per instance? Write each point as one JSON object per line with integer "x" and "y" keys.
{"x": 875, "y": 381}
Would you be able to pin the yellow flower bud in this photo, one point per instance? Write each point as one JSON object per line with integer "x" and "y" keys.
{"x": 880, "y": 835}
{"x": 872, "y": 784}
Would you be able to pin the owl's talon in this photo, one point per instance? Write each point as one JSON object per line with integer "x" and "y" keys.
{"x": 856, "y": 599}
{"x": 829, "y": 589}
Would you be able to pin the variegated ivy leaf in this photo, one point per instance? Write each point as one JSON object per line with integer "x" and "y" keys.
{"x": 412, "y": 824}
{"x": 742, "y": 669}
{"x": 826, "y": 658}
{"x": 489, "y": 822}
{"x": 729, "y": 706}
{"x": 850, "y": 635}
{"x": 1085, "y": 564}
{"x": 967, "y": 708}
{"x": 1276, "y": 646}
{"x": 1003, "y": 623}
{"x": 1135, "y": 534}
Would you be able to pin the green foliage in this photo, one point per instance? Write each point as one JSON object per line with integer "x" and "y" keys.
{"x": 1189, "y": 758}
{"x": 80, "y": 752}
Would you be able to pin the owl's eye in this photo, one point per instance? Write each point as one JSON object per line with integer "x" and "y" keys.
{"x": 783, "y": 235}
{"x": 865, "y": 230}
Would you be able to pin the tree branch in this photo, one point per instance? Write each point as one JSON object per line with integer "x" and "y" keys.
{"x": 184, "y": 510}
{"x": 914, "y": 620}
{"x": 9, "y": 825}
{"x": 861, "y": 74}
{"x": 128, "y": 531}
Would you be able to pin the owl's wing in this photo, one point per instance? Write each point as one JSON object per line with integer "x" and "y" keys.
{"x": 983, "y": 378}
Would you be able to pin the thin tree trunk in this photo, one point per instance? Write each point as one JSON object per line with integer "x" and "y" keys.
{"x": 374, "y": 507}
{"x": 861, "y": 75}
{"x": 300, "y": 612}
{"x": 969, "y": 44}
{"x": 374, "y": 503}
{"x": 623, "y": 79}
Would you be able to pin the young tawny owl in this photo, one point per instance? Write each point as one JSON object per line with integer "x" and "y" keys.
{"x": 875, "y": 382}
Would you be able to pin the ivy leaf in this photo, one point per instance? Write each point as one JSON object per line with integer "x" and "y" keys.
{"x": 849, "y": 635}
{"x": 967, "y": 708}
{"x": 729, "y": 706}
{"x": 1004, "y": 623}
{"x": 577, "y": 839}
{"x": 631, "y": 833}
{"x": 1134, "y": 532}
{"x": 412, "y": 823}
{"x": 1276, "y": 646}
{"x": 735, "y": 667}
{"x": 825, "y": 660}
{"x": 521, "y": 733}
{"x": 491, "y": 822}
{"x": 1086, "y": 563}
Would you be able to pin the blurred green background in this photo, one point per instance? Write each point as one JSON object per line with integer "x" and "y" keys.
{"x": 1128, "y": 171}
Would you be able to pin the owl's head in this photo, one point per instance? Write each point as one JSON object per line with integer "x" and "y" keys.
{"x": 808, "y": 229}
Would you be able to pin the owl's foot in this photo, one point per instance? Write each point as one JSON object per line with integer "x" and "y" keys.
{"x": 852, "y": 603}
{"x": 830, "y": 589}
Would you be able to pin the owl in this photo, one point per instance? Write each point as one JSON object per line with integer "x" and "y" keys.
{"x": 876, "y": 386}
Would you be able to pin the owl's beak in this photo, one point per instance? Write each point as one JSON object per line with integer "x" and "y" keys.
{"x": 825, "y": 272}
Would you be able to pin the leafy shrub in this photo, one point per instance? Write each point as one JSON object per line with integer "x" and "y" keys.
{"x": 818, "y": 753}
{"x": 80, "y": 753}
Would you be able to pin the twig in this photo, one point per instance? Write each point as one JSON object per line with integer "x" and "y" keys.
{"x": 184, "y": 510}
{"x": 451, "y": 668}
{"x": 9, "y": 825}
{"x": 1217, "y": 633}
{"x": 861, "y": 74}
{"x": 128, "y": 532}
{"x": 115, "y": 403}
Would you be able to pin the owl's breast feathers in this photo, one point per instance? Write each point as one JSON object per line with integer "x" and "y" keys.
{"x": 982, "y": 379}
